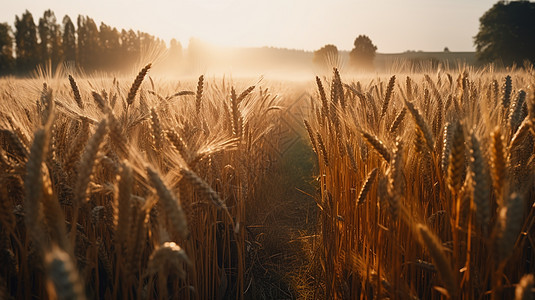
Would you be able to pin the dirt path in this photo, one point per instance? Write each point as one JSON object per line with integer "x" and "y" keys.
{"x": 284, "y": 228}
{"x": 284, "y": 217}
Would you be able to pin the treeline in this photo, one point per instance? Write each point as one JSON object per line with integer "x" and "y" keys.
{"x": 85, "y": 45}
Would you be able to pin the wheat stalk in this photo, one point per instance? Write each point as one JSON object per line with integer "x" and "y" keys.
{"x": 33, "y": 185}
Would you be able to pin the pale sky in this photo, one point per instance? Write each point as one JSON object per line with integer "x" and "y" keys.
{"x": 393, "y": 25}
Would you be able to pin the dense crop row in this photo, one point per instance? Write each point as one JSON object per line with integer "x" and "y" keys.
{"x": 427, "y": 185}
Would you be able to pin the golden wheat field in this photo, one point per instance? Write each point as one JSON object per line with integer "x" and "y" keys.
{"x": 398, "y": 186}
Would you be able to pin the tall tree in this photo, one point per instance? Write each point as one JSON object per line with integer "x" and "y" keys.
{"x": 110, "y": 43}
{"x": 174, "y": 55}
{"x": 130, "y": 47}
{"x": 326, "y": 57}
{"x": 69, "y": 41}
{"x": 50, "y": 38}
{"x": 363, "y": 54}
{"x": 88, "y": 43}
{"x": 26, "y": 39}
{"x": 506, "y": 33}
{"x": 7, "y": 62}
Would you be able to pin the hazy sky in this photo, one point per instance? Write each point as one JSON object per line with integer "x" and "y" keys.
{"x": 392, "y": 25}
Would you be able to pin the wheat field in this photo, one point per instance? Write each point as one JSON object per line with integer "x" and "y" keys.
{"x": 147, "y": 188}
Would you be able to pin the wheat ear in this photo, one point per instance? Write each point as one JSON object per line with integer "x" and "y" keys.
{"x": 480, "y": 179}
{"x": 456, "y": 164}
{"x": 397, "y": 121}
{"x": 388, "y": 95}
{"x": 498, "y": 161}
{"x": 179, "y": 144}
{"x": 245, "y": 93}
{"x": 435, "y": 248}
{"x": 62, "y": 272}
{"x": 168, "y": 256}
{"x": 395, "y": 178}
{"x": 517, "y": 113}
{"x": 422, "y": 129}
{"x": 136, "y": 84}
{"x": 322, "y": 149}
{"x": 366, "y": 186}
{"x": 323, "y": 98}
{"x": 198, "y": 96}
{"x": 76, "y": 92}
{"x": 77, "y": 146}
{"x": 171, "y": 205}
{"x": 203, "y": 187}
{"x": 377, "y": 145}
{"x": 524, "y": 289}
{"x": 507, "y": 89}
{"x": 87, "y": 162}
{"x": 509, "y": 225}
{"x": 13, "y": 145}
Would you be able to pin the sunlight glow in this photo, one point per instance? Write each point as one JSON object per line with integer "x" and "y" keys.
{"x": 395, "y": 26}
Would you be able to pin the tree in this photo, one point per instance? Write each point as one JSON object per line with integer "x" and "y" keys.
{"x": 326, "y": 57}
{"x": 88, "y": 43}
{"x": 26, "y": 40}
{"x": 110, "y": 42}
{"x": 7, "y": 62}
{"x": 69, "y": 41}
{"x": 506, "y": 33}
{"x": 362, "y": 56}
{"x": 50, "y": 36}
{"x": 130, "y": 47}
{"x": 174, "y": 55}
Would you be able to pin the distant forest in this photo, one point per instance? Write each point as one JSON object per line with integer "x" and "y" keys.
{"x": 83, "y": 45}
{"x": 88, "y": 47}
